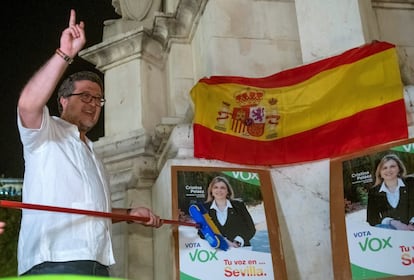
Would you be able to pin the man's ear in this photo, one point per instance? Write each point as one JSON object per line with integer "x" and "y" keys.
{"x": 63, "y": 102}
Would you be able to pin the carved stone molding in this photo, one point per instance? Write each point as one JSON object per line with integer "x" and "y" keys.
{"x": 179, "y": 145}
{"x": 180, "y": 25}
{"x": 150, "y": 44}
{"x": 123, "y": 146}
{"x": 135, "y": 10}
{"x": 393, "y": 4}
{"x": 123, "y": 48}
{"x": 129, "y": 160}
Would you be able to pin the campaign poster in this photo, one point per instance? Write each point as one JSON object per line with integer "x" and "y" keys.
{"x": 249, "y": 225}
{"x": 377, "y": 198}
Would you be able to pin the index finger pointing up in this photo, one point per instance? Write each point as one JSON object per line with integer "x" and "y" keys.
{"x": 72, "y": 20}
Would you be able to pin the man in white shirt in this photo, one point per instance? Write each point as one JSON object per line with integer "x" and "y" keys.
{"x": 62, "y": 169}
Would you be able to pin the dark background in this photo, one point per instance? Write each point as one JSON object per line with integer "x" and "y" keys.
{"x": 30, "y": 35}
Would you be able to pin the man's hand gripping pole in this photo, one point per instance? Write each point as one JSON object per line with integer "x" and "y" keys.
{"x": 120, "y": 217}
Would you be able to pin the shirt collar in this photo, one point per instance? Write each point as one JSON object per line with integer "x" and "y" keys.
{"x": 215, "y": 207}
{"x": 384, "y": 188}
{"x": 74, "y": 130}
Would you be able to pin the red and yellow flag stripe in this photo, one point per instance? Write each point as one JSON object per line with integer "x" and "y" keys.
{"x": 324, "y": 109}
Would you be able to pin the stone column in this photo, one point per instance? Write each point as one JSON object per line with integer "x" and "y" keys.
{"x": 328, "y": 27}
{"x": 135, "y": 14}
{"x": 138, "y": 114}
{"x": 134, "y": 88}
{"x": 133, "y": 66}
{"x": 131, "y": 170}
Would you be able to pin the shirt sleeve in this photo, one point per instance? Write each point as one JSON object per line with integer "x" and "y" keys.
{"x": 32, "y": 139}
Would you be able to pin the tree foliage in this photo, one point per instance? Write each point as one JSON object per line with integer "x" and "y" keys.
{"x": 8, "y": 240}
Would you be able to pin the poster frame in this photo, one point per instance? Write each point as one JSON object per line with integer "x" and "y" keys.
{"x": 339, "y": 241}
{"x": 266, "y": 188}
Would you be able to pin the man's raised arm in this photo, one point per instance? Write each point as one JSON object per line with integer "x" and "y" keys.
{"x": 40, "y": 87}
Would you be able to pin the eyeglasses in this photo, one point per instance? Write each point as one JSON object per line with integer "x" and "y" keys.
{"x": 87, "y": 98}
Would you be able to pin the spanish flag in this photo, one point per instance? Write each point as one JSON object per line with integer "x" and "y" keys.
{"x": 324, "y": 109}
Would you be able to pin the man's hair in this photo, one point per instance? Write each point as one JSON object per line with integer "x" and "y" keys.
{"x": 68, "y": 85}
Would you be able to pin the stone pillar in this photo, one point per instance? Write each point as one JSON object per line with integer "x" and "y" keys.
{"x": 139, "y": 115}
{"x": 134, "y": 88}
{"x": 135, "y": 14}
{"x": 328, "y": 27}
{"x": 394, "y": 19}
{"x": 148, "y": 73}
{"x": 133, "y": 66}
{"x": 131, "y": 170}
{"x": 229, "y": 42}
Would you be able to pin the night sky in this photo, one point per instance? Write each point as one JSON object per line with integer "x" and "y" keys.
{"x": 30, "y": 35}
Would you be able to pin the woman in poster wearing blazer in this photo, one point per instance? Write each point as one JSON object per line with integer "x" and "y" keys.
{"x": 391, "y": 200}
{"x": 230, "y": 216}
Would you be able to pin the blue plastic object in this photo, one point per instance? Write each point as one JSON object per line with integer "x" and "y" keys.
{"x": 207, "y": 227}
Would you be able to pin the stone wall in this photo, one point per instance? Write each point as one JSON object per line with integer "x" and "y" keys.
{"x": 149, "y": 70}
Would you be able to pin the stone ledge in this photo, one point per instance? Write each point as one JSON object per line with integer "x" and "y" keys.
{"x": 150, "y": 44}
{"x": 123, "y": 146}
{"x": 179, "y": 145}
{"x": 393, "y": 4}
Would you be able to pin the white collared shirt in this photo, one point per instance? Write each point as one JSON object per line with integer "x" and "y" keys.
{"x": 221, "y": 215}
{"x": 61, "y": 170}
{"x": 393, "y": 197}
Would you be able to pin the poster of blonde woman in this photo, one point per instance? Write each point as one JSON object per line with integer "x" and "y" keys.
{"x": 377, "y": 196}
{"x": 238, "y": 232}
